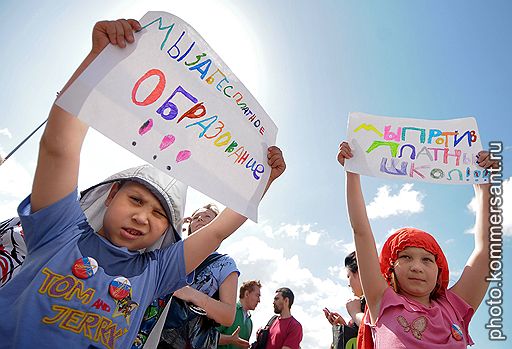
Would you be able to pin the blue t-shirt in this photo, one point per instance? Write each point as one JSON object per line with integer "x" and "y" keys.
{"x": 209, "y": 279}
{"x": 46, "y": 306}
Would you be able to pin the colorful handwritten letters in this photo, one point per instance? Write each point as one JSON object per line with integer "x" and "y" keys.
{"x": 171, "y": 100}
{"x": 438, "y": 151}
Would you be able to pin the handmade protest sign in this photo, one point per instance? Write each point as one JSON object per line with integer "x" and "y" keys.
{"x": 438, "y": 151}
{"x": 171, "y": 100}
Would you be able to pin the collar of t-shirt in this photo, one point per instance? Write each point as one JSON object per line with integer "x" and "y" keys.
{"x": 245, "y": 313}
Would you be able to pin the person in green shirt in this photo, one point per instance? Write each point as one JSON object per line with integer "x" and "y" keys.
{"x": 237, "y": 335}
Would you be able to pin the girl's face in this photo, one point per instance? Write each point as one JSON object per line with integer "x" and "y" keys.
{"x": 200, "y": 219}
{"x": 416, "y": 271}
{"x": 355, "y": 283}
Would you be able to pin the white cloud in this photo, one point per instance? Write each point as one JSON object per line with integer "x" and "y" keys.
{"x": 385, "y": 205}
{"x": 267, "y": 230}
{"x": 338, "y": 271}
{"x": 506, "y": 207}
{"x": 16, "y": 183}
{"x": 312, "y": 238}
{"x": 294, "y": 231}
{"x": 258, "y": 260}
{"x": 5, "y": 132}
{"x": 347, "y": 247}
{"x": 290, "y": 230}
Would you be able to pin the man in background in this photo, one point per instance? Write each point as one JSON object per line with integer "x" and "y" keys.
{"x": 285, "y": 332}
{"x": 238, "y": 334}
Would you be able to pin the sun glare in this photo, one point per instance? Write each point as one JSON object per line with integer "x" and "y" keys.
{"x": 225, "y": 28}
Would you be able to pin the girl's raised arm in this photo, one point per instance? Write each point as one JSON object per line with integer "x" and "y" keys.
{"x": 472, "y": 284}
{"x": 372, "y": 281}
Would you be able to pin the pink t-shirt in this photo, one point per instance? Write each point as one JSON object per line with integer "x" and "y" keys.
{"x": 405, "y": 323}
{"x": 284, "y": 332}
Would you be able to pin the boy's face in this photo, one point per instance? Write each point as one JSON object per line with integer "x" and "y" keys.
{"x": 134, "y": 219}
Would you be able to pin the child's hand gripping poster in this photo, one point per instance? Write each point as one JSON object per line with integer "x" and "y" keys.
{"x": 169, "y": 99}
{"x": 437, "y": 151}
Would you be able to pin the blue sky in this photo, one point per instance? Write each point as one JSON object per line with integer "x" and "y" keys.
{"x": 309, "y": 63}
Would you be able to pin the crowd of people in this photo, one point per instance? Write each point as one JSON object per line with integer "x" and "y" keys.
{"x": 112, "y": 269}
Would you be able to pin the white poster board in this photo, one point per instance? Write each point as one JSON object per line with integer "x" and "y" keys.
{"x": 171, "y": 100}
{"x": 437, "y": 151}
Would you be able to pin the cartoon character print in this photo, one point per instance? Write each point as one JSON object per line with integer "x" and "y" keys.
{"x": 149, "y": 320}
{"x": 417, "y": 326}
{"x": 205, "y": 280}
{"x": 12, "y": 249}
{"x": 124, "y": 307}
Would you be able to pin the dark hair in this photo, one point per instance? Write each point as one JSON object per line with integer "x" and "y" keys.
{"x": 351, "y": 262}
{"x": 287, "y": 293}
{"x": 249, "y": 286}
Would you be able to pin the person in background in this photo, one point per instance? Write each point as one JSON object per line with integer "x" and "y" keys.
{"x": 214, "y": 287}
{"x": 355, "y": 305}
{"x": 285, "y": 332}
{"x": 237, "y": 335}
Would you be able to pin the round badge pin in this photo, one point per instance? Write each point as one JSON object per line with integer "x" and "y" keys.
{"x": 119, "y": 288}
{"x": 456, "y": 332}
{"x": 85, "y": 267}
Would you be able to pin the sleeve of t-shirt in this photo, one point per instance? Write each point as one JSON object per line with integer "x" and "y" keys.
{"x": 172, "y": 273}
{"x": 51, "y": 223}
{"x": 222, "y": 329}
{"x": 464, "y": 311}
{"x": 225, "y": 330}
{"x": 389, "y": 299}
{"x": 227, "y": 266}
{"x": 294, "y": 336}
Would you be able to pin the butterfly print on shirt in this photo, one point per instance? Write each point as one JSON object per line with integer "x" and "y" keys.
{"x": 416, "y": 327}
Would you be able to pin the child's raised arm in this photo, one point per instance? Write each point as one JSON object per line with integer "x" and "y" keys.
{"x": 59, "y": 149}
{"x": 372, "y": 281}
{"x": 203, "y": 242}
{"x": 472, "y": 284}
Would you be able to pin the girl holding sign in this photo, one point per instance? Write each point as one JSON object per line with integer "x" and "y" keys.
{"x": 406, "y": 288}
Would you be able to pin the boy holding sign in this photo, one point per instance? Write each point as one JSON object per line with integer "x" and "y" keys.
{"x": 82, "y": 288}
